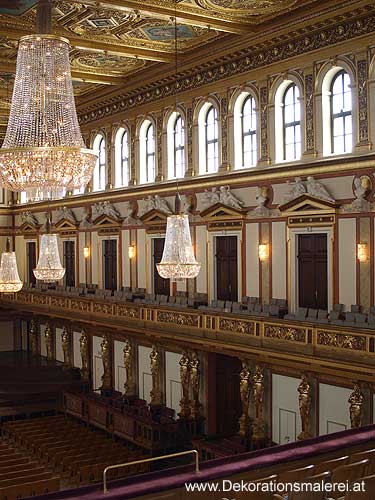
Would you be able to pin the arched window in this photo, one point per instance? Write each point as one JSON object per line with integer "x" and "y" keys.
{"x": 122, "y": 173}
{"x": 248, "y": 132}
{"x": 176, "y": 146}
{"x": 100, "y": 167}
{"x": 291, "y": 123}
{"x": 341, "y": 114}
{"x": 150, "y": 154}
{"x": 208, "y": 139}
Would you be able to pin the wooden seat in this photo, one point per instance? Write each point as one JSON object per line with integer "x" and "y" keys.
{"x": 324, "y": 477}
{"x": 369, "y": 482}
{"x": 295, "y": 475}
{"x": 330, "y": 465}
{"x": 350, "y": 472}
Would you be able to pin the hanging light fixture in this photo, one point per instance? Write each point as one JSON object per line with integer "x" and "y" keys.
{"x": 9, "y": 279}
{"x": 43, "y": 152}
{"x": 178, "y": 261}
{"x": 49, "y": 268}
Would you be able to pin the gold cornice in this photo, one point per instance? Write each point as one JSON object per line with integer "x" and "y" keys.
{"x": 248, "y": 177}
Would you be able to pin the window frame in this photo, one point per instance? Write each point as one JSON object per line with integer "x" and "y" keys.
{"x": 149, "y": 155}
{"x": 251, "y": 133}
{"x": 215, "y": 140}
{"x": 342, "y": 114}
{"x": 179, "y": 148}
{"x": 292, "y": 124}
{"x": 125, "y": 177}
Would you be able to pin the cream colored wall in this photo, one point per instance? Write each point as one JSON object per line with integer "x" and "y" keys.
{"x": 126, "y": 277}
{"x": 82, "y": 260}
{"x": 333, "y": 409}
{"x": 347, "y": 262}
{"x": 142, "y": 259}
{"x": 201, "y": 255}
{"x": 286, "y": 422}
{"x": 172, "y": 380}
{"x": 120, "y": 373}
{"x": 144, "y": 373}
{"x": 278, "y": 256}
{"x": 252, "y": 259}
{"x": 95, "y": 264}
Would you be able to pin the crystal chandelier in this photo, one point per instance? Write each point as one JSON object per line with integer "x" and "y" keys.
{"x": 49, "y": 268}
{"x": 178, "y": 261}
{"x": 43, "y": 152}
{"x": 9, "y": 279}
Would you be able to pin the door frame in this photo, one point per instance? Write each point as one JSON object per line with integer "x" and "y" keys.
{"x": 211, "y": 262}
{"x": 293, "y": 287}
{"x": 101, "y": 277}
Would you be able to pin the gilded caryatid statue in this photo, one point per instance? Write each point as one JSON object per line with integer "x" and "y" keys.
{"x": 107, "y": 366}
{"x": 66, "y": 347}
{"x": 356, "y": 402}
{"x": 49, "y": 342}
{"x": 195, "y": 382}
{"x": 304, "y": 399}
{"x": 129, "y": 386}
{"x": 156, "y": 397}
{"x": 33, "y": 334}
{"x": 258, "y": 397}
{"x": 84, "y": 348}
{"x": 245, "y": 399}
{"x": 185, "y": 385}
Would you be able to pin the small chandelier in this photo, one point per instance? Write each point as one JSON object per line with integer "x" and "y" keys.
{"x": 49, "y": 268}
{"x": 9, "y": 279}
{"x": 178, "y": 261}
{"x": 43, "y": 152}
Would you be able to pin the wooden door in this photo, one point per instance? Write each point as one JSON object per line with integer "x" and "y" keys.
{"x": 161, "y": 285}
{"x": 69, "y": 262}
{"x": 110, "y": 264}
{"x": 228, "y": 399}
{"x": 226, "y": 268}
{"x": 31, "y": 261}
{"x": 312, "y": 271}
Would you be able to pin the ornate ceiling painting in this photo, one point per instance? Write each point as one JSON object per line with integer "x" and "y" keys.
{"x": 116, "y": 42}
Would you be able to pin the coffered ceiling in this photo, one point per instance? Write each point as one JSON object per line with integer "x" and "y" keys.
{"x": 114, "y": 41}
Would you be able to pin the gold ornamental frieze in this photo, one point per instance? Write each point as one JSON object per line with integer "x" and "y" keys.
{"x": 128, "y": 312}
{"x": 60, "y": 302}
{"x": 102, "y": 308}
{"x": 80, "y": 305}
{"x": 342, "y": 340}
{"x": 181, "y": 319}
{"x": 236, "y": 326}
{"x": 288, "y": 333}
{"x": 40, "y": 299}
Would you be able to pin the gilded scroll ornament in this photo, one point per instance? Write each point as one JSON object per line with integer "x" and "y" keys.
{"x": 245, "y": 399}
{"x": 49, "y": 342}
{"x": 304, "y": 399}
{"x": 106, "y": 360}
{"x": 236, "y": 326}
{"x": 84, "y": 348}
{"x": 185, "y": 385}
{"x": 284, "y": 333}
{"x": 182, "y": 319}
{"x": 355, "y": 406}
{"x": 156, "y": 396}
{"x": 342, "y": 340}
{"x": 66, "y": 347}
{"x": 129, "y": 386}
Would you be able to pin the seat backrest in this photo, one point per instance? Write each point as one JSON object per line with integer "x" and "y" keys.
{"x": 301, "y": 312}
{"x": 228, "y": 304}
{"x": 360, "y": 318}
{"x": 236, "y": 306}
{"x": 274, "y": 310}
{"x": 313, "y": 313}
{"x": 221, "y": 304}
{"x": 293, "y": 475}
{"x": 369, "y": 482}
{"x": 184, "y": 301}
{"x": 257, "y": 308}
{"x": 349, "y": 316}
{"x": 330, "y": 465}
{"x": 323, "y": 478}
{"x": 322, "y": 314}
{"x": 333, "y": 315}
{"x": 338, "y": 307}
{"x": 362, "y": 455}
{"x": 266, "y": 308}
{"x": 172, "y": 299}
{"x": 355, "y": 308}
{"x": 350, "y": 472}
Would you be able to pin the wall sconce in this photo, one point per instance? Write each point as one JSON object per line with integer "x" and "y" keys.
{"x": 263, "y": 251}
{"x": 131, "y": 251}
{"x": 86, "y": 252}
{"x": 362, "y": 252}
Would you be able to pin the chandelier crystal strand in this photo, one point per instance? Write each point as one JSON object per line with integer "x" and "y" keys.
{"x": 178, "y": 261}
{"x": 43, "y": 150}
{"x": 49, "y": 268}
{"x": 9, "y": 279}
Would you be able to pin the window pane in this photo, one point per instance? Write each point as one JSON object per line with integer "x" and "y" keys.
{"x": 289, "y": 114}
{"x": 348, "y": 124}
{"x": 338, "y": 145}
{"x": 337, "y": 104}
{"x": 348, "y": 143}
{"x": 338, "y": 126}
{"x": 347, "y": 101}
{"x": 289, "y": 135}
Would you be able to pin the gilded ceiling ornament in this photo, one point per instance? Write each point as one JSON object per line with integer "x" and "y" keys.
{"x": 105, "y": 62}
{"x": 245, "y": 8}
